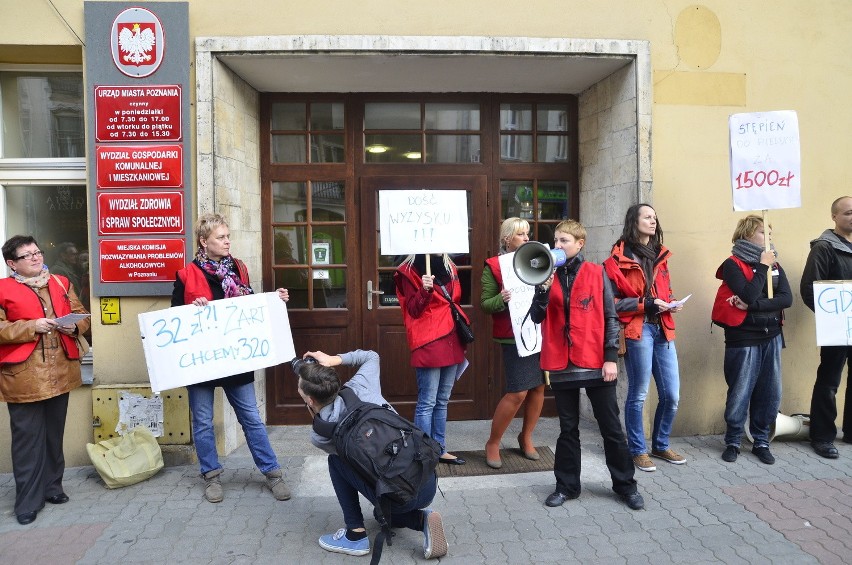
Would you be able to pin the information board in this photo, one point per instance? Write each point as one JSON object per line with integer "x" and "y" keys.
{"x": 140, "y": 166}
{"x": 133, "y": 260}
{"x": 187, "y": 345}
{"x": 138, "y": 113}
{"x": 527, "y": 333}
{"x": 121, "y": 213}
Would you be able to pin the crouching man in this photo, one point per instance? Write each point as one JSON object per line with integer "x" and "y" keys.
{"x": 319, "y": 387}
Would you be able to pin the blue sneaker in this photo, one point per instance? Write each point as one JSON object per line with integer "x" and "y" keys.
{"x": 434, "y": 540}
{"x": 339, "y": 543}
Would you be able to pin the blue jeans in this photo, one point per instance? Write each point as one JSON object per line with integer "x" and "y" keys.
{"x": 244, "y": 403}
{"x": 753, "y": 375}
{"x": 347, "y": 484}
{"x": 434, "y": 386}
{"x": 650, "y": 354}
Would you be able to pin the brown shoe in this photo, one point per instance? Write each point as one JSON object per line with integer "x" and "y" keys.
{"x": 644, "y": 463}
{"x": 669, "y": 455}
{"x": 275, "y": 481}
{"x": 213, "y": 486}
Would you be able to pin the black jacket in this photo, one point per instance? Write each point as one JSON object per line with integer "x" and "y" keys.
{"x": 764, "y": 315}
{"x": 830, "y": 259}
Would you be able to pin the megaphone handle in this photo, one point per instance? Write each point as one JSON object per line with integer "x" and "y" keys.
{"x": 428, "y": 265}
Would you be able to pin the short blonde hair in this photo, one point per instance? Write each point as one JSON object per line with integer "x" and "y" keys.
{"x": 509, "y": 228}
{"x": 572, "y": 228}
{"x": 747, "y": 226}
{"x": 206, "y": 224}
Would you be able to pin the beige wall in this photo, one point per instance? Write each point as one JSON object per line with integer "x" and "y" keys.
{"x": 708, "y": 60}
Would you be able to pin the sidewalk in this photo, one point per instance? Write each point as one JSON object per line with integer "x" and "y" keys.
{"x": 707, "y": 511}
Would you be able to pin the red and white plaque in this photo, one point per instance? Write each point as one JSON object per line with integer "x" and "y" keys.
{"x": 140, "y": 166}
{"x": 136, "y": 260}
{"x": 137, "y": 42}
{"x": 121, "y": 213}
{"x": 138, "y": 113}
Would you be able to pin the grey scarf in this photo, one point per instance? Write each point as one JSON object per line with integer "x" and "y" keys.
{"x": 748, "y": 251}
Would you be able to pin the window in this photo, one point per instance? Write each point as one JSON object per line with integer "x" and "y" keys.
{"x": 301, "y": 130}
{"x": 534, "y": 129}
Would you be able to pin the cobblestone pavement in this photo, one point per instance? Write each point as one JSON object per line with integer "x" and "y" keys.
{"x": 707, "y": 511}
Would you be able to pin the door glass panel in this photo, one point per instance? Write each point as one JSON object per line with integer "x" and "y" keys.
{"x": 516, "y": 148}
{"x": 329, "y": 203}
{"x": 392, "y": 115}
{"x": 552, "y": 117}
{"x": 452, "y": 148}
{"x": 296, "y": 281}
{"x": 328, "y": 245}
{"x": 553, "y": 200}
{"x": 289, "y": 245}
{"x": 328, "y": 116}
{"x": 44, "y": 115}
{"x": 289, "y": 116}
{"x": 288, "y": 149}
{"x": 452, "y": 116}
{"x": 387, "y": 285}
{"x": 392, "y": 148}
{"x": 515, "y": 117}
{"x": 552, "y": 149}
{"x": 327, "y": 148}
{"x": 329, "y": 288}
{"x": 288, "y": 198}
{"x": 516, "y": 198}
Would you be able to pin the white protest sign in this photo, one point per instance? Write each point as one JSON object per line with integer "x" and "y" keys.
{"x": 833, "y": 309}
{"x": 189, "y": 344}
{"x": 765, "y": 160}
{"x": 527, "y": 334}
{"x": 423, "y": 221}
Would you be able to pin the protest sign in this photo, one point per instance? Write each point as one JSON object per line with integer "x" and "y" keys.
{"x": 191, "y": 344}
{"x": 423, "y": 221}
{"x": 833, "y": 309}
{"x": 765, "y": 160}
{"x": 527, "y": 334}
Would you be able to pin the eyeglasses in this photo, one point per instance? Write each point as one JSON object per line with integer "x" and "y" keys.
{"x": 28, "y": 256}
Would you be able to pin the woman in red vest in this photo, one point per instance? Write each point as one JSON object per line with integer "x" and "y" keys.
{"x": 39, "y": 366}
{"x": 214, "y": 274}
{"x": 753, "y": 338}
{"x": 437, "y": 353}
{"x": 524, "y": 379}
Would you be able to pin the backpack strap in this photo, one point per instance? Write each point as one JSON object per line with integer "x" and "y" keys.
{"x": 383, "y": 514}
{"x": 350, "y": 400}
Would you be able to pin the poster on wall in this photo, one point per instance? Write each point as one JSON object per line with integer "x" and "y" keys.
{"x": 423, "y": 221}
{"x": 527, "y": 333}
{"x": 765, "y": 160}
{"x": 187, "y": 345}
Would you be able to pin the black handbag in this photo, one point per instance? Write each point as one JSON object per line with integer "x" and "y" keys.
{"x": 463, "y": 329}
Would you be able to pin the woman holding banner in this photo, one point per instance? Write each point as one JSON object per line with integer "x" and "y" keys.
{"x": 437, "y": 353}
{"x": 213, "y": 275}
{"x": 524, "y": 379}
{"x": 638, "y": 269}
{"x": 753, "y": 338}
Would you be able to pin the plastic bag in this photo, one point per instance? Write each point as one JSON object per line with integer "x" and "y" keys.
{"x": 128, "y": 459}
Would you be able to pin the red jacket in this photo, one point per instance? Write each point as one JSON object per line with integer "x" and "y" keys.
{"x": 724, "y": 314}
{"x": 195, "y": 284}
{"x": 436, "y": 320}
{"x": 586, "y": 332}
{"x": 502, "y": 321}
{"x": 21, "y": 303}
{"x": 629, "y": 285}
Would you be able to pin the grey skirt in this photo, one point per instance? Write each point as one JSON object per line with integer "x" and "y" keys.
{"x": 522, "y": 373}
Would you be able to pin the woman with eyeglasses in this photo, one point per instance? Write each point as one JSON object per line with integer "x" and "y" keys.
{"x": 39, "y": 367}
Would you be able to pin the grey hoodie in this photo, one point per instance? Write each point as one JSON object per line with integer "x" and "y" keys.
{"x": 830, "y": 259}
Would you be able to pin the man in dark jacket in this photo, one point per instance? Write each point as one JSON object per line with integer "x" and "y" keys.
{"x": 830, "y": 259}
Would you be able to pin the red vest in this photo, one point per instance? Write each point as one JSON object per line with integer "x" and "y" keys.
{"x": 195, "y": 284}
{"x": 586, "y": 330}
{"x": 725, "y": 314}
{"x": 436, "y": 321}
{"x": 502, "y": 322}
{"x": 20, "y": 302}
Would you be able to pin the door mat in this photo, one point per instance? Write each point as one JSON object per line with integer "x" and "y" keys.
{"x": 513, "y": 462}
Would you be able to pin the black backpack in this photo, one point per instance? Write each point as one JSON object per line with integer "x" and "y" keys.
{"x": 385, "y": 450}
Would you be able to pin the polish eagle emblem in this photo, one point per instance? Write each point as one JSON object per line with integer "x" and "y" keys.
{"x": 137, "y": 44}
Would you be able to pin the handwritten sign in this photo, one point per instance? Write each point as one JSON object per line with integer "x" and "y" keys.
{"x": 188, "y": 345}
{"x": 765, "y": 160}
{"x": 833, "y": 309}
{"x": 527, "y": 334}
{"x": 423, "y": 221}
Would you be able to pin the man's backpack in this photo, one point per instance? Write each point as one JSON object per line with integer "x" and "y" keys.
{"x": 385, "y": 450}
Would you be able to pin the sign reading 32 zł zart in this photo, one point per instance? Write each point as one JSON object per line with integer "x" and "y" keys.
{"x": 765, "y": 160}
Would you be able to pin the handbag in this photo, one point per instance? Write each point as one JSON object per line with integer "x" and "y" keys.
{"x": 463, "y": 329}
{"x": 82, "y": 344}
{"x": 128, "y": 459}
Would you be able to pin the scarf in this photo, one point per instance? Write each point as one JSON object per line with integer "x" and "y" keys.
{"x": 646, "y": 255}
{"x": 36, "y": 282}
{"x": 748, "y": 251}
{"x": 224, "y": 270}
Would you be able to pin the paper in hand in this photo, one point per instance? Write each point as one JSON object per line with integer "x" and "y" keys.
{"x": 680, "y": 302}
{"x": 72, "y": 318}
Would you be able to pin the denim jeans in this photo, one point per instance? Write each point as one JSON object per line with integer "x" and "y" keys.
{"x": 244, "y": 403}
{"x": 753, "y": 374}
{"x": 434, "y": 385}
{"x": 650, "y": 354}
{"x": 347, "y": 484}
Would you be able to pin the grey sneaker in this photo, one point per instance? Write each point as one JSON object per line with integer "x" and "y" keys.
{"x": 434, "y": 540}
{"x": 275, "y": 481}
{"x": 213, "y": 486}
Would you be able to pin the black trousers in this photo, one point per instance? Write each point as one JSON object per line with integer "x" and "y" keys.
{"x": 37, "y": 459}
{"x": 823, "y": 403}
{"x": 567, "y": 457}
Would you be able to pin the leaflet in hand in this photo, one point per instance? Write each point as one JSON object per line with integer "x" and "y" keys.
{"x": 72, "y": 318}
{"x": 680, "y": 302}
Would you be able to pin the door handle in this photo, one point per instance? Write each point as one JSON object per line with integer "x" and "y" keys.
{"x": 370, "y": 293}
